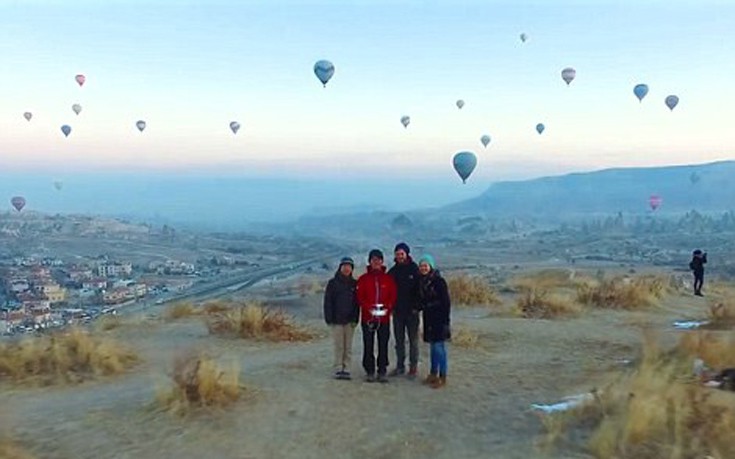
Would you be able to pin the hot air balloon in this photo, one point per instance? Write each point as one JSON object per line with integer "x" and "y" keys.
{"x": 655, "y": 201}
{"x": 671, "y": 102}
{"x": 460, "y": 104}
{"x": 485, "y": 140}
{"x": 66, "y": 129}
{"x": 58, "y": 184}
{"x": 324, "y": 70}
{"x": 694, "y": 178}
{"x": 568, "y": 75}
{"x": 80, "y": 79}
{"x": 640, "y": 91}
{"x": 524, "y": 37}
{"x": 540, "y": 128}
{"x": 19, "y": 202}
{"x": 76, "y": 108}
{"x": 28, "y": 116}
{"x": 235, "y": 126}
{"x": 405, "y": 121}
{"x": 464, "y": 163}
{"x": 140, "y": 124}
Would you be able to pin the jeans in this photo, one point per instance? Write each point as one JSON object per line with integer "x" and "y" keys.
{"x": 368, "y": 350}
{"x": 403, "y": 325}
{"x": 438, "y": 358}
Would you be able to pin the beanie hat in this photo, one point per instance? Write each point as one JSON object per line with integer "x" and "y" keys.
{"x": 402, "y": 246}
{"x": 347, "y": 261}
{"x": 375, "y": 253}
{"x": 428, "y": 259}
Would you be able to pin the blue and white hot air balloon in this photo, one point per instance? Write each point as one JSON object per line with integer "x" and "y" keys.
{"x": 464, "y": 163}
{"x": 324, "y": 70}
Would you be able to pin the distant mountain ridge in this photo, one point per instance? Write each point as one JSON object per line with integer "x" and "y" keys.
{"x": 704, "y": 187}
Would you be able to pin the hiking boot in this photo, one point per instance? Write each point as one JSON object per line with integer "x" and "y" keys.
{"x": 370, "y": 378}
{"x": 439, "y": 382}
{"x": 398, "y": 371}
{"x": 338, "y": 374}
{"x": 412, "y": 373}
{"x": 346, "y": 376}
{"x": 698, "y": 293}
{"x": 382, "y": 378}
{"x": 430, "y": 378}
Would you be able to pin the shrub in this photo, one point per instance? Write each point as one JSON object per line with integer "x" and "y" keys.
{"x": 622, "y": 292}
{"x": 465, "y": 290}
{"x": 198, "y": 381}
{"x": 539, "y": 304}
{"x": 181, "y": 310}
{"x": 256, "y": 322}
{"x": 65, "y": 357}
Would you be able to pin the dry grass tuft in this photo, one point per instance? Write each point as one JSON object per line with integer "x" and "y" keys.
{"x": 181, "y": 310}
{"x": 465, "y": 338}
{"x": 66, "y": 357}
{"x": 658, "y": 410}
{"x": 716, "y": 349}
{"x": 539, "y": 304}
{"x": 12, "y": 450}
{"x": 217, "y": 307}
{"x": 622, "y": 292}
{"x": 108, "y": 323}
{"x": 252, "y": 321}
{"x": 547, "y": 279}
{"x": 199, "y": 382}
{"x": 468, "y": 290}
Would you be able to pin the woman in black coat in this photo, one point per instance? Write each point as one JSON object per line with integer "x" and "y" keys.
{"x": 435, "y": 305}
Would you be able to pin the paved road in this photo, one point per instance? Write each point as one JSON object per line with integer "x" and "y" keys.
{"x": 231, "y": 285}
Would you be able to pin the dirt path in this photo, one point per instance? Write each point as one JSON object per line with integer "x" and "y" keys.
{"x": 295, "y": 410}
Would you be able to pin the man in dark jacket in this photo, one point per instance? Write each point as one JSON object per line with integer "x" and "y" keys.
{"x": 697, "y": 266}
{"x": 405, "y": 273}
{"x": 341, "y": 313}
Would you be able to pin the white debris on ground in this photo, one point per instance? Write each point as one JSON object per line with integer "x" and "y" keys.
{"x": 689, "y": 324}
{"x": 565, "y": 404}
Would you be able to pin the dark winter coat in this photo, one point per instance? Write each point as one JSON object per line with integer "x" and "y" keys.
{"x": 340, "y": 300}
{"x": 697, "y": 264}
{"x": 406, "y": 275}
{"x": 436, "y": 306}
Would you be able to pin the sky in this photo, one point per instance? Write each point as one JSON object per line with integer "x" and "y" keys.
{"x": 189, "y": 68}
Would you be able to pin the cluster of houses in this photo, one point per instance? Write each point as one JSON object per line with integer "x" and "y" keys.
{"x": 40, "y": 293}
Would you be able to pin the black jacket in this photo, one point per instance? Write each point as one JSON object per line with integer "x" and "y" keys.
{"x": 436, "y": 306}
{"x": 697, "y": 264}
{"x": 340, "y": 300}
{"x": 406, "y": 276}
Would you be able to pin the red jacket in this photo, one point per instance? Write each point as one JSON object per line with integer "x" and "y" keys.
{"x": 376, "y": 287}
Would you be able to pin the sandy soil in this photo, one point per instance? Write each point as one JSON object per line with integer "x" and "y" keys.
{"x": 295, "y": 410}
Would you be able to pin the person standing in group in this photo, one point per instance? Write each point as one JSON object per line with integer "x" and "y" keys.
{"x": 436, "y": 307}
{"x": 376, "y": 296}
{"x": 699, "y": 259}
{"x": 405, "y": 273}
{"x": 341, "y": 313}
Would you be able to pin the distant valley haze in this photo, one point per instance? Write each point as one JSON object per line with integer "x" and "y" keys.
{"x": 230, "y": 202}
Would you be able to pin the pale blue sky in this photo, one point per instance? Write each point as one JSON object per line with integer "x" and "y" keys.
{"x": 189, "y": 68}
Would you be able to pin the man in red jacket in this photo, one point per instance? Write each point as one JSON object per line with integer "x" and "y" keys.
{"x": 376, "y": 295}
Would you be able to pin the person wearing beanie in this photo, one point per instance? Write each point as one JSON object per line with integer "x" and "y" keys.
{"x": 376, "y": 297}
{"x": 341, "y": 314}
{"x": 405, "y": 273}
{"x": 699, "y": 259}
{"x": 436, "y": 307}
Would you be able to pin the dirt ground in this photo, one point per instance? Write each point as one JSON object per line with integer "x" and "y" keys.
{"x": 295, "y": 410}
